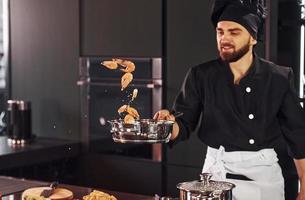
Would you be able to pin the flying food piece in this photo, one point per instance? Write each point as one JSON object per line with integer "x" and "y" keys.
{"x": 122, "y": 109}
{"x": 134, "y": 94}
{"x": 126, "y": 79}
{"x": 127, "y": 65}
{"x": 133, "y": 112}
{"x": 130, "y": 110}
{"x": 129, "y": 119}
{"x": 110, "y": 64}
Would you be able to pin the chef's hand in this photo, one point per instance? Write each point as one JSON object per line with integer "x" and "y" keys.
{"x": 164, "y": 115}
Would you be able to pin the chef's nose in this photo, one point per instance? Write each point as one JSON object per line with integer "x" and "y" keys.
{"x": 225, "y": 37}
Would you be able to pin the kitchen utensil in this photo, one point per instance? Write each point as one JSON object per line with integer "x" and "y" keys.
{"x": 142, "y": 131}
{"x": 205, "y": 189}
{"x": 49, "y": 191}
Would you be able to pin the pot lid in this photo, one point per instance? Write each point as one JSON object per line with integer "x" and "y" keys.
{"x": 205, "y": 185}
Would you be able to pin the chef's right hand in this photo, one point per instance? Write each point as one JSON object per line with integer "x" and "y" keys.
{"x": 164, "y": 115}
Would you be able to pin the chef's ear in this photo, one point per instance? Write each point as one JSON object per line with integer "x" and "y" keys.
{"x": 253, "y": 41}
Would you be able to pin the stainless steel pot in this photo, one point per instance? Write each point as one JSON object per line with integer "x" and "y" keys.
{"x": 205, "y": 189}
{"x": 142, "y": 131}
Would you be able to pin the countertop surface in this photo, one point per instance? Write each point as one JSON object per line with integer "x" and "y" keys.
{"x": 12, "y": 188}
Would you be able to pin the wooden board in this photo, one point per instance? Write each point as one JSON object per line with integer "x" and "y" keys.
{"x": 58, "y": 194}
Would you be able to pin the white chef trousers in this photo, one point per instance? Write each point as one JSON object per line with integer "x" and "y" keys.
{"x": 260, "y": 166}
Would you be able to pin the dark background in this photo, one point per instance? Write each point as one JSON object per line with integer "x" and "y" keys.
{"x": 47, "y": 37}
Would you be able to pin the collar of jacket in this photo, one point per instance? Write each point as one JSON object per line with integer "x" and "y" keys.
{"x": 252, "y": 71}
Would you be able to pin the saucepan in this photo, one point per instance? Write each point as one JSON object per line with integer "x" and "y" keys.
{"x": 141, "y": 131}
{"x": 205, "y": 189}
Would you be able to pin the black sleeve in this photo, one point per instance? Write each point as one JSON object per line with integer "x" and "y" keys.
{"x": 292, "y": 120}
{"x": 189, "y": 102}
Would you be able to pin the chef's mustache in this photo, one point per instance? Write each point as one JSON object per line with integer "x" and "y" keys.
{"x": 222, "y": 45}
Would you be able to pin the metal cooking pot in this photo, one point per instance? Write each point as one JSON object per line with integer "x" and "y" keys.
{"x": 142, "y": 131}
{"x": 205, "y": 189}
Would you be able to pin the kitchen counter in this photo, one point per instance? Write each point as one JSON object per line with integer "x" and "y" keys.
{"x": 12, "y": 188}
{"x": 38, "y": 151}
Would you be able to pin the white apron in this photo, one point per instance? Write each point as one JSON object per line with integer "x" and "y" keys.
{"x": 260, "y": 166}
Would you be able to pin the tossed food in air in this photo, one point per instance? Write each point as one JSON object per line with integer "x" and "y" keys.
{"x": 122, "y": 109}
{"x": 110, "y": 64}
{"x": 134, "y": 94}
{"x": 126, "y": 79}
{"x": 130, "y": 110}
{"x": 127, "y": 65}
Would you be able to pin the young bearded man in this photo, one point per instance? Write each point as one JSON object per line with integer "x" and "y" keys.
{"x": 247, "y": 105}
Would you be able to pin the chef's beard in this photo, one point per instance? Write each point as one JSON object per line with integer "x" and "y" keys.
{"x": 235, "y": 55}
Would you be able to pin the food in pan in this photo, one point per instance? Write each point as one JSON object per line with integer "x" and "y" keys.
{"x": 129, "y": 119}
{"x": 130, "y": 110}
{"x": 126, "y": 79}
{"x": 133, "y": 112}
{"x": 122, "y": 109}
{"x": 98, "y": 195}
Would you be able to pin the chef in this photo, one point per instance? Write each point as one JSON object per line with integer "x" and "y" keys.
{"x": 247, "y": 105}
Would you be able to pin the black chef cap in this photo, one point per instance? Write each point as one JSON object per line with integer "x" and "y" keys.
{"x": 248, "y": 13}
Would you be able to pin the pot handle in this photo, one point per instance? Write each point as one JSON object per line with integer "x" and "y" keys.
{"x": 205, "y": 177}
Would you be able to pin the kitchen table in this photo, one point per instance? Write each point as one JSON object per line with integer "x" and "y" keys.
{"x": 12, "y": 188}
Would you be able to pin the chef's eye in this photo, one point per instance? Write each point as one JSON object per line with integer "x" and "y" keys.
{"x": 234, "y": 33}
{"x": 219, "y": 32}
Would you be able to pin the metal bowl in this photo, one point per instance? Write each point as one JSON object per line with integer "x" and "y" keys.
{"x": 142, "y": 131}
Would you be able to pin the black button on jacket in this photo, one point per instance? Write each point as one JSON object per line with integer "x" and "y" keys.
{"x": 249, "y": 116}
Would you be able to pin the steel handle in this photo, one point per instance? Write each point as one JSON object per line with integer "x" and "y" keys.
{"x": 148, "y": 85}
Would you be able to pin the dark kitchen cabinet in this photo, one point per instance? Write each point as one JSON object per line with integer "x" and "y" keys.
{"x": 121, "y": 173}
{"x": 121, "y": 28}
{"x": 44, "y": 63}
{"x": 189, "y": 42}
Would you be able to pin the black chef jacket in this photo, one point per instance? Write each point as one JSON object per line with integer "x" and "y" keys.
{"x": 249, "y": 116}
